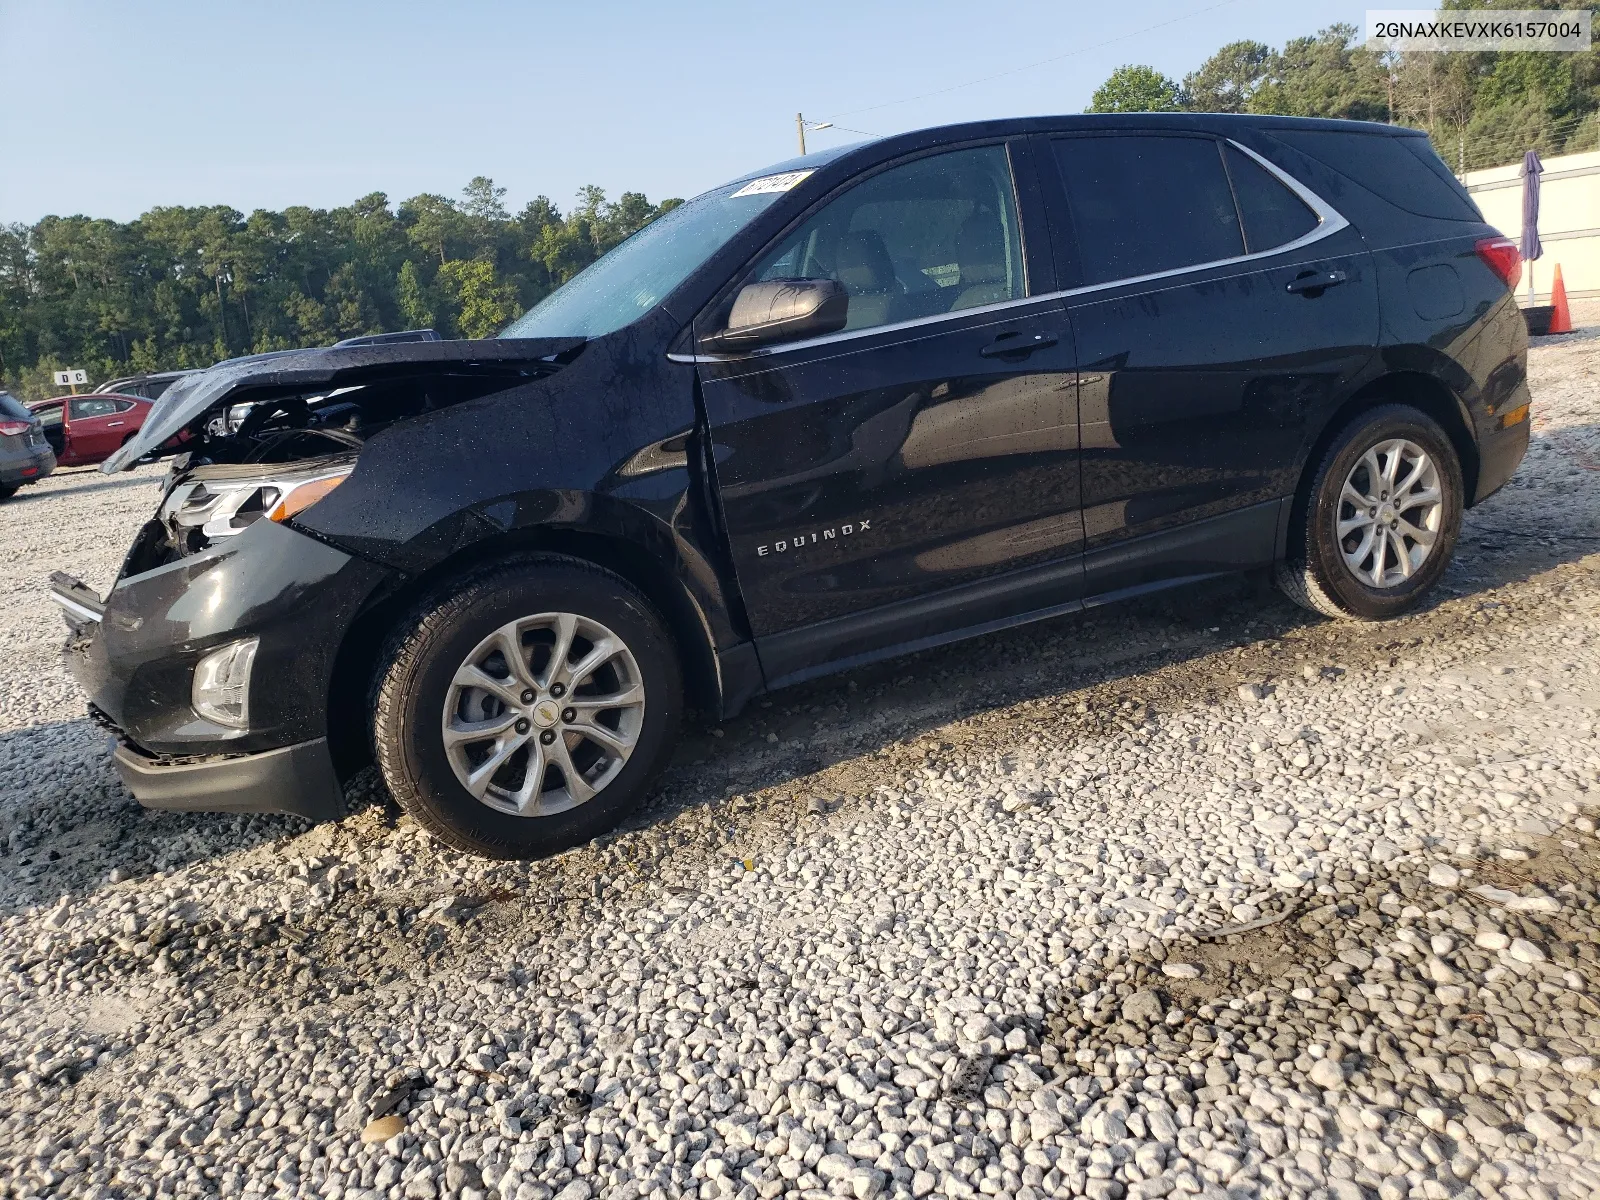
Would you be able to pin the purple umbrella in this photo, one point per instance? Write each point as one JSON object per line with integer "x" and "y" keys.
{"x": 1531, "y": 249}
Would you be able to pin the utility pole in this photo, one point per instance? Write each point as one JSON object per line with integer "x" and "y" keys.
{"x": 800, "y": 129}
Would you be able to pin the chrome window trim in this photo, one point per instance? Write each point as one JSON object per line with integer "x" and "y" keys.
{"x": 1329, "y": 222}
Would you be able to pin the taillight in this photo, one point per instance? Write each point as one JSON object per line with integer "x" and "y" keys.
{"x": 14, "y": 428}
{"x": 1502, "y": 257}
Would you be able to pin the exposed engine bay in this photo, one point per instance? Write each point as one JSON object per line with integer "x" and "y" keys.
{"x": 261, "y": 450}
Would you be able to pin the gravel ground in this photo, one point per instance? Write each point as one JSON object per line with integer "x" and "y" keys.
{"x": 1198, "y": 896}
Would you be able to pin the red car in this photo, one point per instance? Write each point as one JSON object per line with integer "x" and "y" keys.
{"x": 88, "y": 429}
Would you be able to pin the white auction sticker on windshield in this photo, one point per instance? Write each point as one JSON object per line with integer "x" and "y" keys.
{"x": 772, "y": 183}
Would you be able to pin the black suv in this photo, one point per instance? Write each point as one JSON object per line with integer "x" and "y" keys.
{"x": 867, "y": 401}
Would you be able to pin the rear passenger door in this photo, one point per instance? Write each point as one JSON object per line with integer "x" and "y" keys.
{"x": 1218, "y": 309}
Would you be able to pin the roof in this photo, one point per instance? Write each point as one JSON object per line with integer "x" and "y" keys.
{"x": 933, "y": 135}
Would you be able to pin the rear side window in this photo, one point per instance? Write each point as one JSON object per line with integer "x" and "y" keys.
{"x": 1145, "y": 204}
{"x": 1402, "y": 170}
{"x": 1271, "y": 214}
{"x": 13, "y": 409}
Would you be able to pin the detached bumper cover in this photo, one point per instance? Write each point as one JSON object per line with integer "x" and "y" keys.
{"x": 296, "y": 779}
{"x": 136, "y": 663}
{"x": 80, "y": 604}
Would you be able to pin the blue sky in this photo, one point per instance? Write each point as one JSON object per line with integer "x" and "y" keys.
{"x": 112, "y": 108}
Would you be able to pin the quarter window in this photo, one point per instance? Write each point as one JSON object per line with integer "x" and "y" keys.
{"x": 1145, "y": 204}
{"x": 1271, "y": 214}
{"x": 936, "y": 235}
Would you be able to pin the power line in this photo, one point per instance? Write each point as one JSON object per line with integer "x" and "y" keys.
{"x": 1043, "y": 62}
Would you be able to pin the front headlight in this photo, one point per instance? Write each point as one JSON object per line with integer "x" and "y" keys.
{"x": 222, "y": 507}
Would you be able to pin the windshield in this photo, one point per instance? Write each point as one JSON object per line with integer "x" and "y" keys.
{"x": 630, "y": 280}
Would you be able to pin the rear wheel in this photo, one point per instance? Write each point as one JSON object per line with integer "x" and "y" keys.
{"x": 529, "y": 709}
{"x": 1380, "y": 520}
{"x": 8, "y": 490}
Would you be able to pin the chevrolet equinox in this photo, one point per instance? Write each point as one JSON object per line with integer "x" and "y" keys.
{"x": 863, "y": 402}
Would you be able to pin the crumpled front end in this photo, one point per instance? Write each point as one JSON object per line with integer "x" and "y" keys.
{"x": 200, "y": 722}
{"x": 213, "y": 657}
{"x": 248, "y": 409}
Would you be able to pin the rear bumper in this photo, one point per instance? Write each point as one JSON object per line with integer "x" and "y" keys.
{"x": 1499, "y": 456}
{"x": 26, "y": 469}
{"x": 296, "y": 779}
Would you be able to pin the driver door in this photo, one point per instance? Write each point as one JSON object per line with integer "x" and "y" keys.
{"x": 914, "y": 475}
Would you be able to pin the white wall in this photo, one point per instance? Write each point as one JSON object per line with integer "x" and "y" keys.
{"x": 1569, "y": 220}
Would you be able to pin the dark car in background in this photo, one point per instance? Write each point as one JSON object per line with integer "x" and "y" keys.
{"x": 146, "y": 387}
{"x": 25, "y": 455}
{"x": 87, "y": 429}
{"x": 861, "y": 403}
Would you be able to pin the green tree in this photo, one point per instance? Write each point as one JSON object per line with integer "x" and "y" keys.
{"x": 485, "y": 202}
{"x": 433, "y": 223}
{"x": 483, "y": 303}
{"x": 1225, "y": 82}
{"x": 414, "y": 300}
{"x": 1134, "y": 88}
{"x": 1328, "y": 75}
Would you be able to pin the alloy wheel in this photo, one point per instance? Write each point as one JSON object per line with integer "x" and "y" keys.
{"x": 1389, "y": 513}
{"x": 543, "y": 714}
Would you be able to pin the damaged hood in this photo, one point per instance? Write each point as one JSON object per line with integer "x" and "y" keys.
{"x": 193, "y": 396}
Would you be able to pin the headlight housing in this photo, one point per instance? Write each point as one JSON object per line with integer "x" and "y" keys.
{"x": 201, "y": 510}
{"x": 221, "y": 688}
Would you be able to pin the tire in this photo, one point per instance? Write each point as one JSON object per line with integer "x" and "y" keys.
{"x": 1317, "y": 572}
{"x": 420, "y": 689}
{"x": 8, "y": 490}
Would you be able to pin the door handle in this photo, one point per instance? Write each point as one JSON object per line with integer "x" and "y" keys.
{"x": 112, "y": 424}
{"x": 1020, "y": 345}
{"x": 1315, "y": 281}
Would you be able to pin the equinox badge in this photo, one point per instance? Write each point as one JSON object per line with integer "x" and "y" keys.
{"x": 821, "y": 535}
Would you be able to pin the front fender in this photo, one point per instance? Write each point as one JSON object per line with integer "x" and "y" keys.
{"x": 606, "y": 451}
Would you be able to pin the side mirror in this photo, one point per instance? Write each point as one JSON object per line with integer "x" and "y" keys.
{"x": 782, "y": 310}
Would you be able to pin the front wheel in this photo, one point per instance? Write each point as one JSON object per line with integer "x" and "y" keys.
{"x": 528, "y": 709}
{"x": 1380, "y": 520}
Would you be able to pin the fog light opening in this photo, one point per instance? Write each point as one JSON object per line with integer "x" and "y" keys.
{"x": 221, "y": 690}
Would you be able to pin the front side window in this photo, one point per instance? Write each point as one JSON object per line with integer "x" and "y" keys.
{"x": 936, "y": 235}
{"x": 1145, "y": 204}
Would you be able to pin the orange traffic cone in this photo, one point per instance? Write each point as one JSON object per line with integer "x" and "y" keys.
{"x": 1561, "y": 318}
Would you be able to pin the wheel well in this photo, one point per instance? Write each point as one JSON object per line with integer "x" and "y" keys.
{"x": 1420, "y": 391}
{"x": 357, "y": 662}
